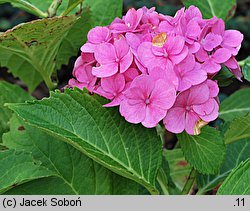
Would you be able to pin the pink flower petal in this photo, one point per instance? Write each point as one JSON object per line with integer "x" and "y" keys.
{"x": 105, "y": 70}
{"x": 133, "y": 113}
{"x": 98, "y": 35}
{"x": 147, "y": 58}
{"x": 198, "y": 94}
{"x": 125, "y": 62}
{"x": 202, "y": 55}
{"x": 213, "y": 115}
{"x": 213, "y": 88}
{"x": 105, "y": 53}
{"x": 114, "y": 84}
{"x": 163, "y": 95}
{"x": 121, "y": 48}
{"x": 191, "y": 120}
{"x": 131, "y": 74}
{"x": 211, "y": 67}
{"x": 219, "y": 27}
{"x": 212, "y": 41}
{"x": 205, "y": 108}
{"x": 153, "y": 116}
{"x": 232, "y": 38}
{"x": 89, "y": 48}
{"x": 176, "y": 59}
{"x": 175, "y": 45}
{"x": 175, "y": 120}
{"x": 221, "y": 55}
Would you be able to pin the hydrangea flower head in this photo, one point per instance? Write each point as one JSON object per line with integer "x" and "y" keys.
{"x": 157, "y": 67}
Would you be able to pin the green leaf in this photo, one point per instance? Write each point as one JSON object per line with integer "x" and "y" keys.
{"x": 101, "y": 133}
{"x": 237, "y": 183}
{"x": 74, "y": 39}
{"x": 104, "y": 12}
{"x": 40, "y": 8}
{"x": 179, "y": 167}
{"x": 26, "y": 5}
{"x": 29, "y": 50}
{"x": 246, "y": 69}
{"x": 224, "y": 77}
{"x": 210, "y": 8}
{"x": 236, "y": 105}
{"x": 204, "y": 152}
{"x": 73, "y": 172}
{"x": 238, "y": 129}
{"x": 9, "y": 94}
{"x": 236, "y": 153}
{"x": 17, "y": 168}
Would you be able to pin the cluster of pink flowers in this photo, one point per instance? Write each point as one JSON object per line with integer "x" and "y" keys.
{"x": 157, "y": 67}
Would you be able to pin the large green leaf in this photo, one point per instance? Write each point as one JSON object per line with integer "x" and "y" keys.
{"x": 236, "y": 153}
{"x": 204, "y": 152}
{"x": 179, "y": 167}
{"x": 101, "y": 133}
{"x": 237, "y": 183}
{"x": 19, "y": 167}
{"x": 29, "y": 50}
{"x": 238, "y": 129}
{"x": 9, "y": 94}
{"x": 237, "y": 105}
{"x": 210, "y": 8}
{"x": 73, "y": 172}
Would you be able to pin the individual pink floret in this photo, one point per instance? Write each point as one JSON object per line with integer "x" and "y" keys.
{"x": 212, "y": 63}
{"x": 195, "y": 104}
{"x": 147, "y": 101}
{"x": 83, "y": 73}
{"x": 189, "y": 73}
{"x": 96, "y": 36}
{"x": 112, "y": 88}
{"x": 112, "y": 58}
{"x": 129, "y": 22}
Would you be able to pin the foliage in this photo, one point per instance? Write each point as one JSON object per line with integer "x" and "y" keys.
{"x": 68, "y": 143}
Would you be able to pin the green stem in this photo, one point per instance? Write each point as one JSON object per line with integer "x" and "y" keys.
{"x": 241, "y": 63}
{"x": 161, "y": 132}
{"x": 72, "y": 6}
{"x": 189, "y": 183}
{"x": 33, "y": 9}
{"x": 53, "y": 7}
{"x": 163, "y": 181}
{"x": 51, "y": 86}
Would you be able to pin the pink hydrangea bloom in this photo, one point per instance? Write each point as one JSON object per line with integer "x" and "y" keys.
{"x": 147, "y": 101}
{"x": 157, "y": 67}
{"x": 195, "y": 104}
